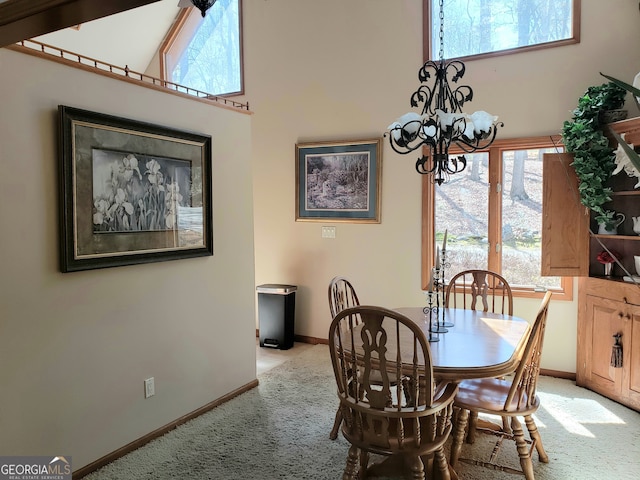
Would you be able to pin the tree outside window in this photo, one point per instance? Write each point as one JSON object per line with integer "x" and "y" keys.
{"x": 492, "y": 212}
{"x": 206, "y": 53}
{"x": 489, "y": 26}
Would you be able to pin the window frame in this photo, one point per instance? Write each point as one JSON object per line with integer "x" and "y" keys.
{"x": 426, "y": 36}
{"x": 179, "y": 36}
{"x": 565, "y": 292}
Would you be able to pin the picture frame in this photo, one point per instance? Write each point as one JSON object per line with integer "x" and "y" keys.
{"x": 131, "y": 192}
{"x": 339, "y": 181}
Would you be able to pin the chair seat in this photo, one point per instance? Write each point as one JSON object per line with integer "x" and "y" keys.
{"x": 488, "y": 395}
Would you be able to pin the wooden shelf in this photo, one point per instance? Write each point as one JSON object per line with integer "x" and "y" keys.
{"x": 617, "y": 237}
{"x": 624, "y": 193}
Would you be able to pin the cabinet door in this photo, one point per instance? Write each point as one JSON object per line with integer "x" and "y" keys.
{"x": 604, "y": 318}
{"x": 631, "y": 355}
{"x": 565, "y": 221}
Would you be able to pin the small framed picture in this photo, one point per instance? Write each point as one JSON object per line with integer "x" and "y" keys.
{"x": 339, "y": 181}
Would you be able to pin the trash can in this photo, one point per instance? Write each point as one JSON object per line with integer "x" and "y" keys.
{"x": 276, "y": 313}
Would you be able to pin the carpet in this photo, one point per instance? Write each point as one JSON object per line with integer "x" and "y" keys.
{"x": 280, "y": 431}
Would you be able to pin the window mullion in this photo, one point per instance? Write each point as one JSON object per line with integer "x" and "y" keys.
{"x": 495, "y": 210}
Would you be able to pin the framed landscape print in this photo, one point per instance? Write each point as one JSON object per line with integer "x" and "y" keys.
{"x": 339, "y": 181}
{"x": 131, "y": 192}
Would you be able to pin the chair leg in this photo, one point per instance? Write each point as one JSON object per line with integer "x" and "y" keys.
{"x": 535, "y": 436}
{"x": 442, "y": 464}
{"x": 473, "y": 424}
{"x": 523, "y": 450}
{"x": 351, "y": 469}
{"x": 416, "y": 468}
{"x": 458, "y": 436}
{"x": 336, "y": 425}
{"x": 364, "y": 463}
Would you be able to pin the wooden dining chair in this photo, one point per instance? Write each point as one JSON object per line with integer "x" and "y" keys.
{"x": 512, "y": 398}
{"x": 479, "y": 290}
{"x": 408, "y": 420}
{"x": 342, "y": 295}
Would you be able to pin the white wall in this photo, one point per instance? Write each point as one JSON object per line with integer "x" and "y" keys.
{"x": 336, "y": 70}
{"x": 76, "y": 347}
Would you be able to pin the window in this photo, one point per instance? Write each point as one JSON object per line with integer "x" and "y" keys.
{"x": 492, "y": 212}
{"x": 206, "y": 53}
{"x": 485, "y": 27}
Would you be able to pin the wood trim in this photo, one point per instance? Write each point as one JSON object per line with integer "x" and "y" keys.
{"x": 311, "y": 340}
{"x": 558, "y": 374}
{"x": 101, "y": 462}
{"x": 23, "y": 19}
{"x": 152, "y": 83}
{"x": 170, "y": 39}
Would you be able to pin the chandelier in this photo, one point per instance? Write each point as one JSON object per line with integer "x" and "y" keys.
{"x": 202, "y": 5}
{"x": 442, "y": 121}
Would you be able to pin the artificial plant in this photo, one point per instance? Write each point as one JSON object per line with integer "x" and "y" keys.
{"x": 592, "y": 154}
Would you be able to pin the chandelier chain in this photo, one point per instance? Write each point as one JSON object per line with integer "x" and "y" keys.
{"x": 441, "y": 4}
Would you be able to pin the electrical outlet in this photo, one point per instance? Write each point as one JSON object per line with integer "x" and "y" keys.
{"x": 149, "y": 387}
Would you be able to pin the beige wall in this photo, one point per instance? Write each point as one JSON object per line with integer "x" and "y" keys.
{"x": 76, "y": 347}
{"x": 336, "y": 70}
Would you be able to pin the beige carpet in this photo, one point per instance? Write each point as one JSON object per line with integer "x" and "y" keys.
{"x": 280, "y": 430}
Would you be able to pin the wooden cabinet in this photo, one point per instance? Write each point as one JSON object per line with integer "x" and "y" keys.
{"x": 565, "y": 221}
{"x": 604, "y": 311}
{"x": 606, "y": 305}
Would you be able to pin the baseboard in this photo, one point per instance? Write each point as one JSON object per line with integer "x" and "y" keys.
{"x": 312, "y": 340}
{"x": 558, "y": 374}
{"x": 101, "y": 462}
{"x": 304, "y": 339}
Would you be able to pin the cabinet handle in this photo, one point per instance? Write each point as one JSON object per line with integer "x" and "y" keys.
{"x": 616, "y": 351}
{"x": 620, "y": 315}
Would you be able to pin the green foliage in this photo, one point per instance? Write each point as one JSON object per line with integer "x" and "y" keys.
{"x": 593, "y": 156}
{"x": 631, "y": 153}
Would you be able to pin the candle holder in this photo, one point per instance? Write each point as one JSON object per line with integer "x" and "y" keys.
{"x": 429, "y": 311}
{"x": 444, "y": 264}
{"x": 439, "y": 294}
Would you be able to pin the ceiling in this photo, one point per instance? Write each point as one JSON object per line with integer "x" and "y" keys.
{"x": 128, "y": 38}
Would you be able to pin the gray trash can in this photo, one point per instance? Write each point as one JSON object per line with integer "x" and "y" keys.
{"x": 276, "y": 313}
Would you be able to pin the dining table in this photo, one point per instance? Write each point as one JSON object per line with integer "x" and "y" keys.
{"x": 478, "y": 345}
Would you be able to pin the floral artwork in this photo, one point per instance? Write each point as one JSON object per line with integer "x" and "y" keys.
{"x": 131, "y": 192}
{"x": 137, "y": 193}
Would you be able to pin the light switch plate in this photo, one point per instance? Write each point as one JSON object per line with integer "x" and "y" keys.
{"x": 328, "y": 232}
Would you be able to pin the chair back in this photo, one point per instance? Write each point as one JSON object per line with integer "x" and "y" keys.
{"x": 485, "y": 286}
{"x": 522, "y": 394}
{"x": 380, "y": 413}
{"x": 341, "y": 295}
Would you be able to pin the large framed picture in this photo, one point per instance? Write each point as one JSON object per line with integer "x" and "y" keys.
{"x": 131, "y": 192}
{"x": 339, "y": 181}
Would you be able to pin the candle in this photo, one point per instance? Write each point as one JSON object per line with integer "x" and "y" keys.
{"x": 430, "y": 286}
{"x": 437, "y": 265}
{"x": 444, "y": 243}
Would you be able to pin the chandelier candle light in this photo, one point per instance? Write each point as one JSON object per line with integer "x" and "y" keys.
{"x": 442, "y": 121}
{"x": 202, "y": 5}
